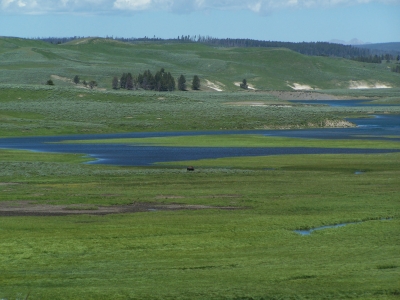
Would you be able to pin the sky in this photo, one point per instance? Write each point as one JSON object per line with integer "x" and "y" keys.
{"x": 374, "y": 21}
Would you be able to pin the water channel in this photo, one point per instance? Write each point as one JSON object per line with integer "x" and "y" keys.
{"x": 377, "y": 127}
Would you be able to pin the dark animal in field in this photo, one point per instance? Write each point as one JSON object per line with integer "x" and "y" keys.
{"x": 190, "y": 168}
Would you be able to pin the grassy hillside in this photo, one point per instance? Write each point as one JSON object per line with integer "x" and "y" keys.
{"x": 34, "y": 62}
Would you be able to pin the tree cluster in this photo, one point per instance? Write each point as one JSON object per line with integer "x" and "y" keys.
{"x": 91, "y": 83}
{"x": 377, "y": 59}
{"x": 162, "y": 81}
{"x": 368, "y": 59}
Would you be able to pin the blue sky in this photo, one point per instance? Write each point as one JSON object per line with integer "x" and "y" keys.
{"x": 374, "y": 21}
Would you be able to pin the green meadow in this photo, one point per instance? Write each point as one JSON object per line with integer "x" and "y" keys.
{"x": 244, "y": 141}
{"x": 234, "y": 238}
{"x": 248, "y": 252}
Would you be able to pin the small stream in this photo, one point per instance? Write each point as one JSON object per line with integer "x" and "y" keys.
{"x": 309, "y": 231}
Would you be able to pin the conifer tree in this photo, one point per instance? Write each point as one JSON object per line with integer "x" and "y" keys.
{"x": 244, "y": 85}
{"x": 129, "y": 81}
{"x": 115, "y": 83}
{"x": 170, "y": 82}
{"x": 123, "y": 81}
{"x": 196, "y": 83}
{"x": 182, "y": 83}
{"x": 76, "y": 79}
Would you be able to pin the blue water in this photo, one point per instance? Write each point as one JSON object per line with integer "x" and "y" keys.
{"x": 309, "y": 231}
{"x": 378, "y": 127}
{"x": 341, "y": 103}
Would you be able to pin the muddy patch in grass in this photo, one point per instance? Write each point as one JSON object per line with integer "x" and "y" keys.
{"x": 8, "y": 183}
{"x": 30, "y": 208}
{"x": 169, "y": 197}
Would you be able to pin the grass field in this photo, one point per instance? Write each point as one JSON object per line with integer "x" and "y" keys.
{"x": 39, "y": 110}
{"x": 204, "y": 251}
{"x": 245, "y": 253}
{"x": 237, "y": 140}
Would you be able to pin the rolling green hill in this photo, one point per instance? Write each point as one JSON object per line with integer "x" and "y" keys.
{"x": 34, "y": 62}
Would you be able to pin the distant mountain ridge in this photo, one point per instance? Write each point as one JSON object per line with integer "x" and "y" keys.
{"x": 352, "y": 42}
{"x": 382, "y": 48}
{"x": 392, "y": 48}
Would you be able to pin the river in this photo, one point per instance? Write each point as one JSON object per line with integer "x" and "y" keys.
{"x": 386, "y": 127}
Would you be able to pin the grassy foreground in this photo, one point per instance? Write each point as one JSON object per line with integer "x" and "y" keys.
{"x": 247, "y": 253}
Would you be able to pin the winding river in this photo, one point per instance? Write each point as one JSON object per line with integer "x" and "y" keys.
{"x": 383, "y": 127}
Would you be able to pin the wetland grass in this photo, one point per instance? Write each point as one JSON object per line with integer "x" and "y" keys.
{"x": 206, "y": 254}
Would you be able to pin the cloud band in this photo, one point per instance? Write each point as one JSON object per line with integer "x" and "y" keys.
{"x": 97, "y": 6}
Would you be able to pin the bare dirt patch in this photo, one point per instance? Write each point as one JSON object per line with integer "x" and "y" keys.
{"x": 169, "y": 197}
{"x": 30, "y": 208}
{"x": 225, "y": 196}
{"x": 257, "y": 104}
{"x": 216, "y": 86}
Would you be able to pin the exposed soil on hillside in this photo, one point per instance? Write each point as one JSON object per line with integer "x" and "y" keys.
{"x": 30, "y": 208}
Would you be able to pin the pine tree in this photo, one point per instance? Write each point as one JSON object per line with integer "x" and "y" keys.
{"x": 123, "y": 81}
{"x": 76, "y": 79}
{"x": 182, "y": 83}
{"x": 129, "y": 81}
{"x": 115, "y": 83}
{"x": 196, "y": 83}
{"x": 170, "y": 82}
{"x": 244, "y": 85}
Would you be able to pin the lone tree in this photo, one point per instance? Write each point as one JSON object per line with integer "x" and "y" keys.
{"x": 50, "y": 82}
{"x": 244, "y": 85}
{"x": 76, "y": 79}
{"x": 182, "y": 83}
{"x": 196, "y": 83}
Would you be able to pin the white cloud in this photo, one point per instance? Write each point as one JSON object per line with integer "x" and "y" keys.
{"x": 93, "y": 6}
{"x": 132, "y": 4}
